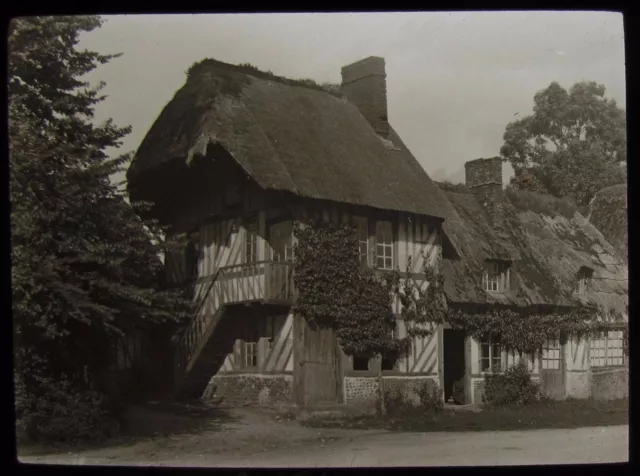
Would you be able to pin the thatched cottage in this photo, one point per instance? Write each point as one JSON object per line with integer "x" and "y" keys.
{"x": 523, "y": 250}
{"x": 238, "y": 155}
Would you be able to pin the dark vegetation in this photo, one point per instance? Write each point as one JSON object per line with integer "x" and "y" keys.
{"x": 513, "y": 386}
{"x": 85, "y": 269}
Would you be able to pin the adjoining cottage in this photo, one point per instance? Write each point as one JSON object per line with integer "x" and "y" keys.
{"x": 238, "y": 155}
{"x": 519, "y": 249}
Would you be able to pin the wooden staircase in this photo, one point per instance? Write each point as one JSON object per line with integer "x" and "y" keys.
{"x": 199, "y": 354}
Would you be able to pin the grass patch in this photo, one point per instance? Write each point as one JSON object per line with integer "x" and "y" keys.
{"x": 539, "y": 415}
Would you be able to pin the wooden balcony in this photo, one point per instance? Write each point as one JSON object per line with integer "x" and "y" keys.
{"x": 266, "y": 282}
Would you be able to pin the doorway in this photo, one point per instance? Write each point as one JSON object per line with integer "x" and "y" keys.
{"x": 453, "y": 361}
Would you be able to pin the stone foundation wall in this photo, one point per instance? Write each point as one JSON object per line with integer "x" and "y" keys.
{"x": 361, "y": 390}
{"x": 250, "y": 389}
{"x": 364, "y": 390}
{"x": 577, "y": 384}
{"x": 610, "y": 384}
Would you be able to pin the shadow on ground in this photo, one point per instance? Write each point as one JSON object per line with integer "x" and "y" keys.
{"x": 150, "y": 421}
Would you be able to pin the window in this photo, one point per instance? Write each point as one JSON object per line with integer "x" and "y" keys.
{"x": 496, "y": 276}
{"x": 250, "y": 243}
{"x": 389, "y": 361}
{"x": 606, "y": 350}
{"x": 490, "y": 356}
{"x": 250, "y": 354}
{"x": 384, "y": 245}
{"x": 363, "y": 239}
{"x": 422, "y": 231}
{"x": 583, "y": 280}
{"x": 551, "y": 354}
{"x": 360, "y": 362}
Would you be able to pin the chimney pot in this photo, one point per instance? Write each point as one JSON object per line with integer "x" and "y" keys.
{"x": 364, "y": 83}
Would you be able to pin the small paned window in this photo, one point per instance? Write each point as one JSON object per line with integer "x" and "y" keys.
{"x": 384, "y": 245}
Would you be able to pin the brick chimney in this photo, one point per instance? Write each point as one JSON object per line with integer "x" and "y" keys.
{"x": 364, "y": 83}
{"x": 484, "y": 178}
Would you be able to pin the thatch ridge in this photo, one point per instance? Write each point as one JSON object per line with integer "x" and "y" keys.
{"x": 248, "y": 68}
{"x": 526, "y": 200}
{"x": 288, "y": 138}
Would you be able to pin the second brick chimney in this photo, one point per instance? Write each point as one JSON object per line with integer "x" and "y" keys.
{"x": 484, "y": 178}
{"x": 364, "y": 83}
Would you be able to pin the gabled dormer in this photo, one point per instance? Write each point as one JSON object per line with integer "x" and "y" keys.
{"x": 583, "y": 280}
{"x": 496, "y": 276}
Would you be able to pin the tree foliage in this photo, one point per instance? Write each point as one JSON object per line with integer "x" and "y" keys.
{"x": 573, "y": 144}
{"x": 84, "y": 268}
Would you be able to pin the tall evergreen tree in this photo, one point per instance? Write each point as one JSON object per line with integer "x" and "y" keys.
{"x": 84, "y": 265}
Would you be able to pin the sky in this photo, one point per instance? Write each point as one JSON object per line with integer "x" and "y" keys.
{"x": 454, "y": 80}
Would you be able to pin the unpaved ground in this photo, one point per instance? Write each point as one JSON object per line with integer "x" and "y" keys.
{"x": 193, "y": 434}
{"x": 254, "y": 438}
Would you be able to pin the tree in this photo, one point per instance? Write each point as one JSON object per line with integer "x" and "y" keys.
{"x": 573, "y": 144}
{"x": 84, "y": 268}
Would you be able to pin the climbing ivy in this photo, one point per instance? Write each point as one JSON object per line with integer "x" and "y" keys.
{"x": 335, "y": 291}
{"x": 523, "y": 330}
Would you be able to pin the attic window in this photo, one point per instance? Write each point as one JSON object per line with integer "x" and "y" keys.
{"x": 495, "y": 277}
{"x": 583, "y": 280}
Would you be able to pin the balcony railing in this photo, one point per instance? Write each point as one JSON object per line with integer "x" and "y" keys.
{"x": 265, "y": 281}
{"x": 259, "y": 281}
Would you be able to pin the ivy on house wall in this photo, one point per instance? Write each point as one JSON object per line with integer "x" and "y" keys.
{"x": 520, "y": 329}
{"x": 335, "y": 291}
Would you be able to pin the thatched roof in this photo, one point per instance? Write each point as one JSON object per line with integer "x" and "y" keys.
{"x": 288, "y": 136}
{"x": 548, "y": 242}
{"x": 608, "y": 213}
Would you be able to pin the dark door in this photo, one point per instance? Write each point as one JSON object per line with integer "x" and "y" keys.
{"x": 454, "y": 357}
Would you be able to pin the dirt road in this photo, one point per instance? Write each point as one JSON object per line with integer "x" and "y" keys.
{"x": 200, "y": 435}
{"x": 582, "y": 445}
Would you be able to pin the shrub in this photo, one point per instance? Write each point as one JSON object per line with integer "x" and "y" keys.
{"x": 63, "y": 413}
{"x": 428, "y": 393}
{"x": 430, "y": 397}
{"x": 394, "y": 402}
{"x": 512, "y": 386}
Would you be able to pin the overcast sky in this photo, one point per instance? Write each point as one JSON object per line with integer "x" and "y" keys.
{"x": 454, "y": 80}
